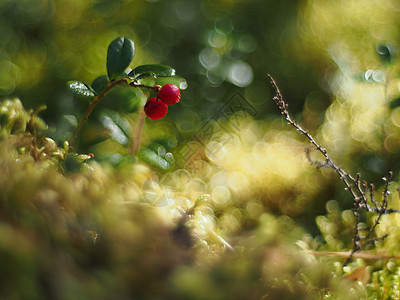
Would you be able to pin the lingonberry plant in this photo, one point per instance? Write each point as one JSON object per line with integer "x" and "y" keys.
{"x": 119, "y": 56}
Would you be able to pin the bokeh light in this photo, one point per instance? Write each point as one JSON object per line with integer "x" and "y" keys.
{"x": 222, "y": 175}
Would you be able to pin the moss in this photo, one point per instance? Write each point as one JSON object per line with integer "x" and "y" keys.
{"x": 91, "y": 233}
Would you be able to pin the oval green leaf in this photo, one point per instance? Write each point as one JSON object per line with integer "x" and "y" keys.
{"x": 385, "y": 53}
{"x": 119, "y": 127}
{"x": 151, "y": 70}
{"x": 100, "y": 84}
{"x": 80, "y": 89}
{"x": 145, "y": 75}
{"x": 395, "y": 103}
{"x": 154, "y": 159}
{"x": 177, "y": 80}
{"x": 119, "y": 56}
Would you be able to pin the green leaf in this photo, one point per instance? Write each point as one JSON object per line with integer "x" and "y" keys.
{"x": 123, "y": 74}
{"x": 118, "y": 126}
{"x": 119, "y": 56}
{"x": 80, "y": 89}
{"x": 177, "y": 80}
{"x": 395, "y": 103}
{"x": 154, "y": 159}
{"x": 385, "y": 53}
{"x": 100, "y": 84}
{"x": 145, "y": 75}
{"x": 152, "y": 70}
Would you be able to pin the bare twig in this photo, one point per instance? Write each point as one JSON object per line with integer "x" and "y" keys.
{"x": 357, "y": 188}
{"x": 363, "y": 255}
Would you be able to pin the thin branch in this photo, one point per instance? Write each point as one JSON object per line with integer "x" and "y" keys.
{"x": 363, "y": 255}
{"x": 283, "y": 106}
{"x": 372, "y": 194}
{"x": 385, "y": 194}
{"x": 96, "y": 99}
{"x": 91, "y": 107}
{"x": 155, "y": 88}
{"x": 354, "y": 185}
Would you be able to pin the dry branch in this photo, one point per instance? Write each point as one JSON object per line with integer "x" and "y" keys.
{"x": 362, "y": 192}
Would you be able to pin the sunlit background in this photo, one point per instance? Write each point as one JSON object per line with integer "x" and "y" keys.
{"x": 223, "y": 160}
{"x": 335, "y": 63}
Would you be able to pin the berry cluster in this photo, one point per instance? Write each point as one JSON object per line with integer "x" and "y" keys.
{"x": 157, "y": 107}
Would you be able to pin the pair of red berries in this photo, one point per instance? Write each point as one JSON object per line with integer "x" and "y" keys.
{"x": 157, "y": 107}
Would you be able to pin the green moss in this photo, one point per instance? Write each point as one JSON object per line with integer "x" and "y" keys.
{"x": 89, "y": 233}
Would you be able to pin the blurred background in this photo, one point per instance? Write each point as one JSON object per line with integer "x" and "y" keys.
{"x": 220, "y": 47}
{"x": 222, "y": 168}
{"x": 335, "y": 63}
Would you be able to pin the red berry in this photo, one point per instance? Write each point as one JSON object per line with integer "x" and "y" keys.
{"x": 155, "y": 109}
{"x": 169, "y": 94}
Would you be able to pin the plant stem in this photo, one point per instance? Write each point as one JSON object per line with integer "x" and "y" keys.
{"x": 156, "y": 89}
{"x": 137, "y": 135}
{"x": 96, "y": 99}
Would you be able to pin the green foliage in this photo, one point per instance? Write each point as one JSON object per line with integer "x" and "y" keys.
{"x": 118, "y": 126}
{"x": 89, "y": 230}
{"x": 80, "y": 89}
{"x": 130, "y": 225}
{"x": 100, "y": 84}
{"x": 155, "y": 159}
{"x": 151, "y": 70}
{"x": 385, "y": 53}
{"x": 85, "y": 232}
{"x": 395, "y": 103}
{"x": 119, "y": 56}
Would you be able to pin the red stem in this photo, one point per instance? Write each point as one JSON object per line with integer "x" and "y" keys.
{"x": 96, "y": 99}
